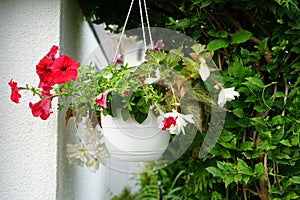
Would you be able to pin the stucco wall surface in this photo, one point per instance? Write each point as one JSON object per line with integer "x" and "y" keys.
{"x": 27, "y": 145}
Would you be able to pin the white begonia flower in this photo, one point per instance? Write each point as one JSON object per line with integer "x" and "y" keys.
{"x": 227, "y": 94}
{"x": 204, "y": 71}
{"x": 180, "y": 122}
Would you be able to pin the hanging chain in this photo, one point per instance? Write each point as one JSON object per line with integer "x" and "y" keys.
{"x": 148, "y": 24}
{"x": 143, "y": 28}
{"x": 123, "y": 29}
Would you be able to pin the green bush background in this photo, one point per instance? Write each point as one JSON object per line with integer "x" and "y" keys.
{"x": 256, "y": 46}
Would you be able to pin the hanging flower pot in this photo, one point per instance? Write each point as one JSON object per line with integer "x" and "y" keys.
{"x": 131, "y": 141}
{"x": 167, "y": 82}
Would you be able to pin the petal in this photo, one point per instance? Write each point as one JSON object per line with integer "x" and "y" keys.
{"x": 204, "y": 71}
{"x": 188, "y": 118}
{"x": 221, "y": 98}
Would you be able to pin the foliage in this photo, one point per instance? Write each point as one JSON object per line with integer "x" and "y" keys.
{"x": 257, "y": 48}
{"x": 165, "y": 81}
{"x": 125, "y": 195}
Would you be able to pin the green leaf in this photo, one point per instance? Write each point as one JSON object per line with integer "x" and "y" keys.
{"x": 172, "y": 58}
{"x": 295, "y": 179}
{"x": 292, "y": 195}
{"x": 218, "y": 34}
{"x": 259, "y": 109}
{"x": 217, "y": 44}
{"x": 262, "y": 46}
{"x": 198, "y": 48}
{"x": 266, "y": 145}
{"x": 204, "y": 3}
{"x": 238, "y": 112}
{"x": 243, "y": 168}
{"x": 155, "y": 57}
{"x": 236, "y": 68}
{"x": 283, "y": 156}
{"x": 252, "y": 154}
{"x": 240, "y": 36}
{"x": 258, "y": 121}
{"x": 255, "y": 81}
{"x": 237, "y": 178}
{"x": 296, "y": 49}
{"x": 246, "y": 146}
{"x": 286, "y": 143}
{"x": 214, "y": 171}
{"x": 278, "y": 134}
{"x": 226, "y": 136}
{"x": 251, "y": 99}
{"x": 220, "y": 151}
{"x": 279, "y": 94}
{"x": 295, "y": 140}
{"x": 228, "y": 180}
{"x": 259, "y": 169}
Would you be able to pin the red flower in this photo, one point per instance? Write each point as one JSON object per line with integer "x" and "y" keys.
{"x": 64, "y": 69}
{"x": 51, "y": 54}
{"x": 101, "y": 98}
{"x": 15, "y": 96}
{"x": 43, "y": 69}
{"x": 168, "y": 122}
{"x": 42, "y": 108}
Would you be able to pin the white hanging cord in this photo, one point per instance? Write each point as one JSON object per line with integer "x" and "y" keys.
{"x": 148, "y": 24}
{"x": 143, "y": 28}
{"x": 123, "y": 29}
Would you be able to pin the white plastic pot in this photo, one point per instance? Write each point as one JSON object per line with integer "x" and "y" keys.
{"x": 130, "y": 141}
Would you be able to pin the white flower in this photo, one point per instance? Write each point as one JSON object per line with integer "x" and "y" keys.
{"x": 204, "y": 71}
{"x": 150, "y": 80}
{"x": 227, "y": 94}
{"x": 76, "y": 154}
{"x": 108, "y": 76}
{"x": 174, "y": 122}
{"x": 93, "y": 165}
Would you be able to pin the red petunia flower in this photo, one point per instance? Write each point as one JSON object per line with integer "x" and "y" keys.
{"x": 42, "y": 108}
{"x": 168, "y": 122}
{"x": 43, "y": 69}
{"x": 51, "y": 54}
{"x": 64, "y": 69}
{"x": 15, "y": 96}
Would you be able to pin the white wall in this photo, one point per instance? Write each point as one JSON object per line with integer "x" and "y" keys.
{"x": 33, "y": 165}
{"x": 27, "y": 144}
{"x": 77, "y": 41}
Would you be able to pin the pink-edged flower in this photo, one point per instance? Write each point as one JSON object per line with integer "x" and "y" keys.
{"x": 159, "y": 45}
{"x": 64, "y": 69}
{"x": 101, "y": 98}
{"x": 44, "y": 71}
{"x": 51, "y": 54}
{"x": 117, "y": 59}
{"x": 15, "y": 95}
{"x": 174, "y": 122}
{"x": 42, "y": 108}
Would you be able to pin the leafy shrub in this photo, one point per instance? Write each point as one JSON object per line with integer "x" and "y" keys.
{"x": 257, "y": 47}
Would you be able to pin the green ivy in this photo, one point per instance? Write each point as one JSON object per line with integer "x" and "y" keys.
{"x": 256, "y": 46}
